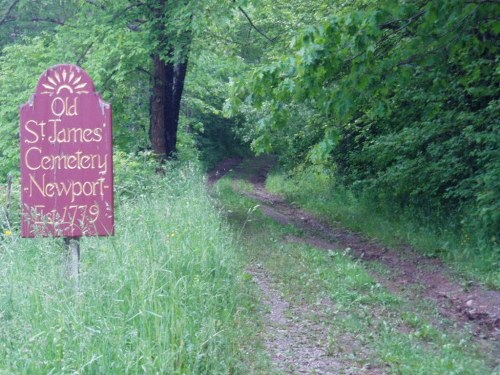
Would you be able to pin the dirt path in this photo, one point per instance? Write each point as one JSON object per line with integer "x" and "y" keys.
{"x": 222, "y": 169}
{"x": 297, "y": 336}
{"x": 292, "y": 335}
{"x": 416, "y": 276}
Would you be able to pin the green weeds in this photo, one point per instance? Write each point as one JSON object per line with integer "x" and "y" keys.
{"x": 427, "y": 232}
{"x": 163, "y": 296}
{"x": 367, "y": 324}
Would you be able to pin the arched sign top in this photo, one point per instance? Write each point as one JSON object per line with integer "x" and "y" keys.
{"x": 64, "y": 80}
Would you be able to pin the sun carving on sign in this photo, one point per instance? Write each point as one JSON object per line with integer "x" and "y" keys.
{"x": 64, "y": 81}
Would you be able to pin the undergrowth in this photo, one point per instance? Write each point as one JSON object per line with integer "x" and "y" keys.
{"x": 430, "y": 232}
{"x": 367, "y": 325}
{"x": 162, "y": 296}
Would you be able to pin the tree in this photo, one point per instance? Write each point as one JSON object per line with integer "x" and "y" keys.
{"x": 133, "y": 50}
{"x": 165, "y": 32}
{"x": 398, "y": 98}
{"x": 172, "y": 42}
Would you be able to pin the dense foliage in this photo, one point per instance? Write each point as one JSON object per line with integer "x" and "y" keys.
{"x": 119, "y": 43}
{"x": 398, "y": 98}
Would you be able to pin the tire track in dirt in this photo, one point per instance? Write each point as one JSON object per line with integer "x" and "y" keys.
{"x": 414, "y": 275}
{"x": 298, "y": 336}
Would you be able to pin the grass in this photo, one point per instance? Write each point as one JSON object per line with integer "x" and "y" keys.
{"x": 169, "y": 294}
{"x": 320, "y": 195}
{"x": 367, "y": 324}
{"x": 165, "y": 295}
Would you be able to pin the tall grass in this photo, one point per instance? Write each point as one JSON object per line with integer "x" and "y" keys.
{"x": 427, "y": 230}
{"x": 162, "y": 296}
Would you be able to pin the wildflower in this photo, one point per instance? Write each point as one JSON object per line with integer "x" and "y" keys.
{"x": 8, "y": 233}
{"x": 172, "y": 235}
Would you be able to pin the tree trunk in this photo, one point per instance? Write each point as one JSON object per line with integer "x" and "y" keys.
{"x": 170, "y": 66}
{"x": 176, "y": 75}
{"x": 168, "y": 85}
{"x": 158, "y": 108}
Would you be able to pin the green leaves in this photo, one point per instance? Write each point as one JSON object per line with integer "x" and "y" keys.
{"x": 397, "y": 96}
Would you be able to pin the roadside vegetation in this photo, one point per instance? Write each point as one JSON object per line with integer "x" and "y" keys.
{"x": 165, "y": 295}
{"x": 368, "y": 326}
{"x": 432, "y": 233}
{"x": 394, "y": 103}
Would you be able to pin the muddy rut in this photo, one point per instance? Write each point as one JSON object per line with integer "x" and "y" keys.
{"x": 412, "y": 274}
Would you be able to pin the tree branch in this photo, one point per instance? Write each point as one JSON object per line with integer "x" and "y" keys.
{"x": 125, "y": 10}
{"x": 6, "y": 15}
{"x": 253, "y": 25}
{"x": 82, "y": 56}
{"x": 50, "y": 20}
{"x": 142, "y": 70}
{"x": 92, "y": 2}
{"x": 394, "y": 24}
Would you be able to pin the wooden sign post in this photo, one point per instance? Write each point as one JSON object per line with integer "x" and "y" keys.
{"x": 67, "y": 159}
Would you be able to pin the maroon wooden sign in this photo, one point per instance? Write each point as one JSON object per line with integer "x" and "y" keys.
{"x": 66, "y": 157}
